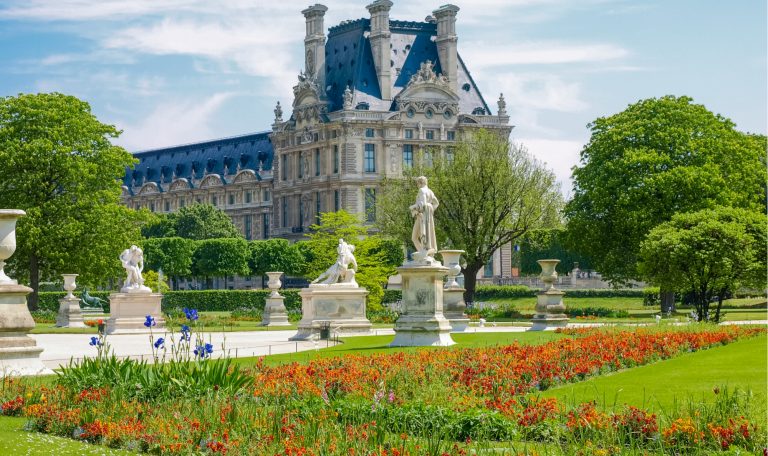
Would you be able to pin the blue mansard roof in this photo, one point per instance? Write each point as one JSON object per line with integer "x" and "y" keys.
{"x": 252, "y": 151}
{"x": 349, "y": 62}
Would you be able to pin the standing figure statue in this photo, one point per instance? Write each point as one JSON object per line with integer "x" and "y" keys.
{"x": 423, "y": 212}
{"x": 340, "y": 272}
{"x": 133, "y": 262}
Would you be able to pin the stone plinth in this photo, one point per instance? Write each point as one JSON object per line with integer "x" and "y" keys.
{"x": 340, "y": 306}
{"x": 19, "y": 353}
{"x": 128, "y": 312}
{"x": 422, "y": 322}
{"x": 454, "y": 308}
{"x": 275, "y": 313}
{"x": 550, "y": 311}
{"x": 70, "y": 315}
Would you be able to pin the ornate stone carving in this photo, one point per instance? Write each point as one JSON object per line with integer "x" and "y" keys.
{"x": 427, "y": 74}
{"x": 340, "y": 273}
{"x": 348, "y": 95}
{"x": 502, "y": 105}
{"x": 278, "y": 113}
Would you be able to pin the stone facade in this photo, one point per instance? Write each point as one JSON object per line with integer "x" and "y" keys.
{"x": 375, "y": 95}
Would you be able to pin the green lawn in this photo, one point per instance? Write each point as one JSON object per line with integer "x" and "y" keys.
{"x": 14, "y": 440}
{"x": 691, "y": 376}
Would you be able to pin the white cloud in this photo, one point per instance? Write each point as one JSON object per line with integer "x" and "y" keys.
{"x": 172, "y": 123}
{"x": 485, "y": 55}
{"x": 559, "y": 155}
{"x": 538, "y": 91}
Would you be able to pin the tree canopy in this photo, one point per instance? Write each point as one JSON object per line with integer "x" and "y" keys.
{"x": 275, "y": 255}
{"x": 659, "y": 157}
{"x": 491, "y": 193}
{"x": 58, "y": 163}
{"x": 708, "y": 254}
{"x": 198, "y": 221}
{"x": 548, "y": 243}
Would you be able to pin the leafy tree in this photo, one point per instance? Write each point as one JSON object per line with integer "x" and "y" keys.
{"x": 275, "y": 255}
{"x": 173, "y": 255}
{"x": 221, "y": 257}
{"x": 490, "y": 191}
{"x": 198, "y": 221}
{"x": 58, "y": 163}
{"x": 708, "y": 254}
{"x": 657, "y": 158}
{"x": 376, "y": 257}
{"x": 548, "y": 243}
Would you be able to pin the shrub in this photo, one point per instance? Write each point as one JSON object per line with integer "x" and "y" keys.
{"x": 392, "y": 296}
{"x": 49, "y": 300}
{"x": 227, "y": 300}
{"x": 44, "y": 316}
{"x": 651, "y": 296}
{"x": 596, "y": 312}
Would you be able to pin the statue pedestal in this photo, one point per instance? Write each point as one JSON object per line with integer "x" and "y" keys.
{"x": 454, "y": 308}
{"x": 70, "y": 315}
{"x": 19, "y": 353}
{"x": 550, "y": 311}
{"x": 422, "y": 322}
{"x": 339, "y": 306}
{"x": 275, "y": 313}
{"x": 128, "y": 312}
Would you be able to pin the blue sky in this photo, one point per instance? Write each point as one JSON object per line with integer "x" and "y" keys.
{"x": 177, "y": 71}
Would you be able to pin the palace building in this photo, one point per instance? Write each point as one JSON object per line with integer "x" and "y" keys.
{"x": 375, "y": 95}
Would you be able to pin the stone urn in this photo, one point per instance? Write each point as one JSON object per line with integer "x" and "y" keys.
{"x": 274, "y": 283}
{"x": 8, "y": 219}
{"x": 548, "y": 273}
{"x": 451, "y": 260}
{"x": 69, "y": 284}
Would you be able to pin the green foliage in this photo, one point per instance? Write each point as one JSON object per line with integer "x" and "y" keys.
{"x": 376, "y": 257}
{"x": 221, "y": 257}
{"x": 602, "y": 312}
{"x": 49, "y": 300}
{"x": 275, "y": 255}
{"x": 491, "y": 193}
{"x": 495, "y": 292}
{"x": 707, "y": 254}
{"x": 548, "y": 243}
{"x": 392, "y": 296}
{"x": 198, "y": 221}
{"x": 151, "y": 280}
{"x": 226, "y": 300}
{"x": 172, "y": 254}
{"x": 651, "y": 296}
{"x": 58, "y": 163}
{"x": 657, "y": 158}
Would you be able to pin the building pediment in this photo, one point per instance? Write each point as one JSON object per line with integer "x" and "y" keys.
{"x": 245, "y": 175}
{"x": 212, "y": 180}
{"x": 427, "y": 91}
{"x": 150, "y": 188}
{"x": 180, "y": 184}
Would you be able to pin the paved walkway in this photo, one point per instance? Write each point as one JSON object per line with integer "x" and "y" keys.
{"x": 58, "y": 349}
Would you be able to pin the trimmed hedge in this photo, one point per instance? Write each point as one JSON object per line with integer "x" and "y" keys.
{"x": 203, "y": 301}
{"x": 521, "y": 291}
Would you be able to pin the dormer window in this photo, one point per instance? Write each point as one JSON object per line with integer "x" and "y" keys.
{"x": 466, "y": 87}
{"x": 478, "y": 111}
{"x": 363, "y": 106}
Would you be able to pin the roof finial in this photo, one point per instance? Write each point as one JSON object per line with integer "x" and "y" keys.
{"x": 502, "y": 106}
{"x": 278, "y": 113}
{"x": 347, "y": 98}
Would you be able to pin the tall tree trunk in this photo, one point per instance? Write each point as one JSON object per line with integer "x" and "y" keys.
{"x": 470, "y": 281}
{"x": 720, "y": 298}
{"x": 667, "y": 299}
{"x": 34, "y": 282}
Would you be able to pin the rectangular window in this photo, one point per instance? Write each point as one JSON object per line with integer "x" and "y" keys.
{"x": 248, "y": 197}
{"x": 181, "y": 202}
{"x": 285, "y": 212}
{"x": 247, "y": 222}
{"x": 284, "y": 167}
{"x": 167, "y": 206}
{"x": 336, "y": 202}
{"x": 317, "y": 162}
{"x": 408, "y": 155}
{"x": 152, "y": 207}
{"x": 231, "y": 199}
{"x": 318, "y": 207}
{"x": 369, "y": 133}
{"x": 451, "y": 135}
{"x": 333, "y": 134}
{"x": 408, "y": 133}
{"x": 265, "y": 226}
{"x": 370, "y": 158}
{"x": 300, "y": 166}
{"x": 449, "y": 152}
{"x": 428, "y": 158}
{"x": 430, "y": 134}
{"x": 266, "y": 195}
{"x": 370, "y": 204}
{"x": 336, "y": 159}
{"x": 214, "y": 200}
{"x": 488, "y": 269}
{"x": 301, "y": 209}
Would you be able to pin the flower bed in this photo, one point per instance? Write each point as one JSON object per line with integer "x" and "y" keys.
{"x": 445, "y": 401}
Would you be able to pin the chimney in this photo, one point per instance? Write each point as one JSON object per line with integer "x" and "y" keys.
{"x": 379, "y": 39}
{"x": 314, "y": 44}
{"x": 446, "y": 42}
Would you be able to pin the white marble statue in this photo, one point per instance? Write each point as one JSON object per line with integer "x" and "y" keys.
{"x": 133, "y": 262}
{"x": 340, "y": 272}
{"x": 423, "y": 212}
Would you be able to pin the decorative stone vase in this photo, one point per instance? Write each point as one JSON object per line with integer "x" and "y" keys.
{"x": 548, "y": 273}
{"x": 69, "y": 284}
{"x": 451, "y": 260}
{"x": 8, "y": 219}
{"x": 274, "y": 283}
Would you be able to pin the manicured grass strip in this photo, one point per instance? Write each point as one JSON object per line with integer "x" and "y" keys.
{"x": 14, "y": 440}
{"x": 672, "y": 382}
{"x": 380, "y": 344}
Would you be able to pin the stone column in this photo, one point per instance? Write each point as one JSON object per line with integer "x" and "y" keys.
{"x": 19, "y": 353}
{"x": 422, "y": 322}
{"x": 274, "y": 313}
{"x": 70, "y": 315}
{"x": 550, "y": 310}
